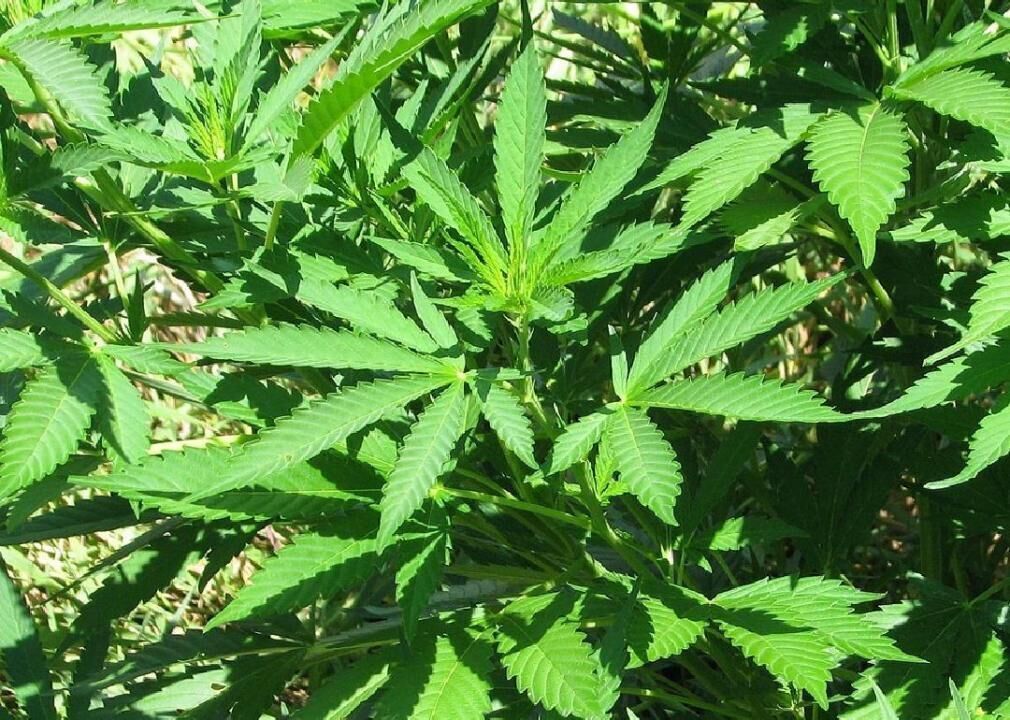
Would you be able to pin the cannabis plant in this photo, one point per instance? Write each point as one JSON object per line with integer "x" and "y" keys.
{"x": 459, "y": 359}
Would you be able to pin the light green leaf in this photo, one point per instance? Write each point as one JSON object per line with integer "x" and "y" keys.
{"x": 45, "y": 425}
{"x": 447, "y": 676}
{"x": 973, "y": 96}
{"x": 747, "y": 397}
{"x": 320, "y": 425}
{"x": 742, "y": 162}
{"x": 19, "y": 350}
{"x": 123, "y": 418}
{"x": 431, "y": 317}
{"x": 67, "y": 75}
{"x": 24, "y": 661}
{"x": 989, "y": 443}
{"x": 989, "y": 312}
{"x": 281, "y": 96}
{"x": 507, "y": 419}
{"x": 646, "y": 461}
{"x": 575, "y": 442}
{"x": 440, "y": 188}
{"x": 316, "y": 564}
{"x": 547, "y": 655}
{"x": 392, "y": 39}
{"x": 519, "y": 140}
{"x": 597, "y": 188}
{"x": 749, "y": 317}
{"x": 307, "y": 346}
{"x": 860, "y": 159}
{"x": 101, "y": 18}
{"x": 424, "y": 453}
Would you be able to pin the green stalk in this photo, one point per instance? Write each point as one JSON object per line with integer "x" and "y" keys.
{"x": 564, "y": 517}
{"x": 59, "y": 296}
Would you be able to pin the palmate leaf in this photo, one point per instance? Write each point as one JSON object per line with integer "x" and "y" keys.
{"x": 418, "y": 577}
{"x": 447, "y": 675}
{"x": 320, "y": 425}
{"x": 425, "y": 451}
{"x": 315, "y": 564}
{"x": 753, "y": 315}
{"x": 307, "y": 346}
{"x": 747, "y": 397}
{"x": 281, "y": 96}
{"x": 123, "y": 418}
{"x": 800, "y": 629}
{"x": 439, "y": 187}
{"x": 743, "y": 161}
{"x": 860, "y": 159}
{"x": 19, "y": 350}
{"x": 955, "y": 380}
{"x": 24, "y": 661}
{"x": 49, "y": 419}
{"x": 509, "y": 421}
{"x": 343, "y": 693}
{"x": 989, "y": 312}
{"x": 987, "y": 445}
{"x": 547, "y": 655}
{"x": 973, "y": 96}
{"x": 575, "y": 442}
{"x": 597, "y": 188}
{"x": 325, "y": 486}
{"x": 646, "y": 461}
{"x": 67, "y": 75}
{"x": 387, "y": 44}
{"x": 694, "y": 305}
{"x": 102, "y": 18}
{"x": 520, "y": 135}
{"x": 960, "y": 640}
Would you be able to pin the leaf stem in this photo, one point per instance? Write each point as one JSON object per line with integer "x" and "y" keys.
{"x": 59, "y": 296}
{"x": 564, "y": 517}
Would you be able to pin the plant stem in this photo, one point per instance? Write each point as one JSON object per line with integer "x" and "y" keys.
{"x": 517, "y": 505}
{"x": 683, "y": 700}
{"x": 275, "y": 221}
{"x": 59, "y": 296}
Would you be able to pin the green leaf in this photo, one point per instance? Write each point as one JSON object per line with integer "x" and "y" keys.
{"x": 519, "y": 145}
{"x": 594, "y": 192}
{"x": 418, "y": 577}
{"x": 788, "y": 29}
{"x": 989, "y": 312}
{"x": 48, "y": 421}
{"x": 366, "y": 311}
{"x": 742, "y": 162}
{"x": 101, "y": 18}
{"x": 19, "y": 350}
{"x": 547, "y": 655}
{"x": 123, "y": 418}
{"x": 508, "y": 420}
{"x": 393, "y": 38}
{"x": 342, "y": 694}
{"x": 281, "y": 96}
{"x": 431, "y": 317}
{"x": 575, "y": 442}
{"x": 316, "y": 564}
{"x": 439, "y": 187}
{"x": 307, "y": 346}
{"x": 740, "y": 532}
{"x": 325, "y": 486}
{"x": 24, "y": 661}
{"x": 860, "y": 159}
{"x": 747, "y": 397}
{"x": 755, "y": 314}
{"x": 973, "y": 96}
{"x": 989, "y": 443}
{"x": 65, "y": 73}
{"x": 320, "y": 425}
{"x": 447, "y": 675}
{"x": 425, "y": 451}
{"x": 720, "y": 142}
{"x": 646, "y": 461}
